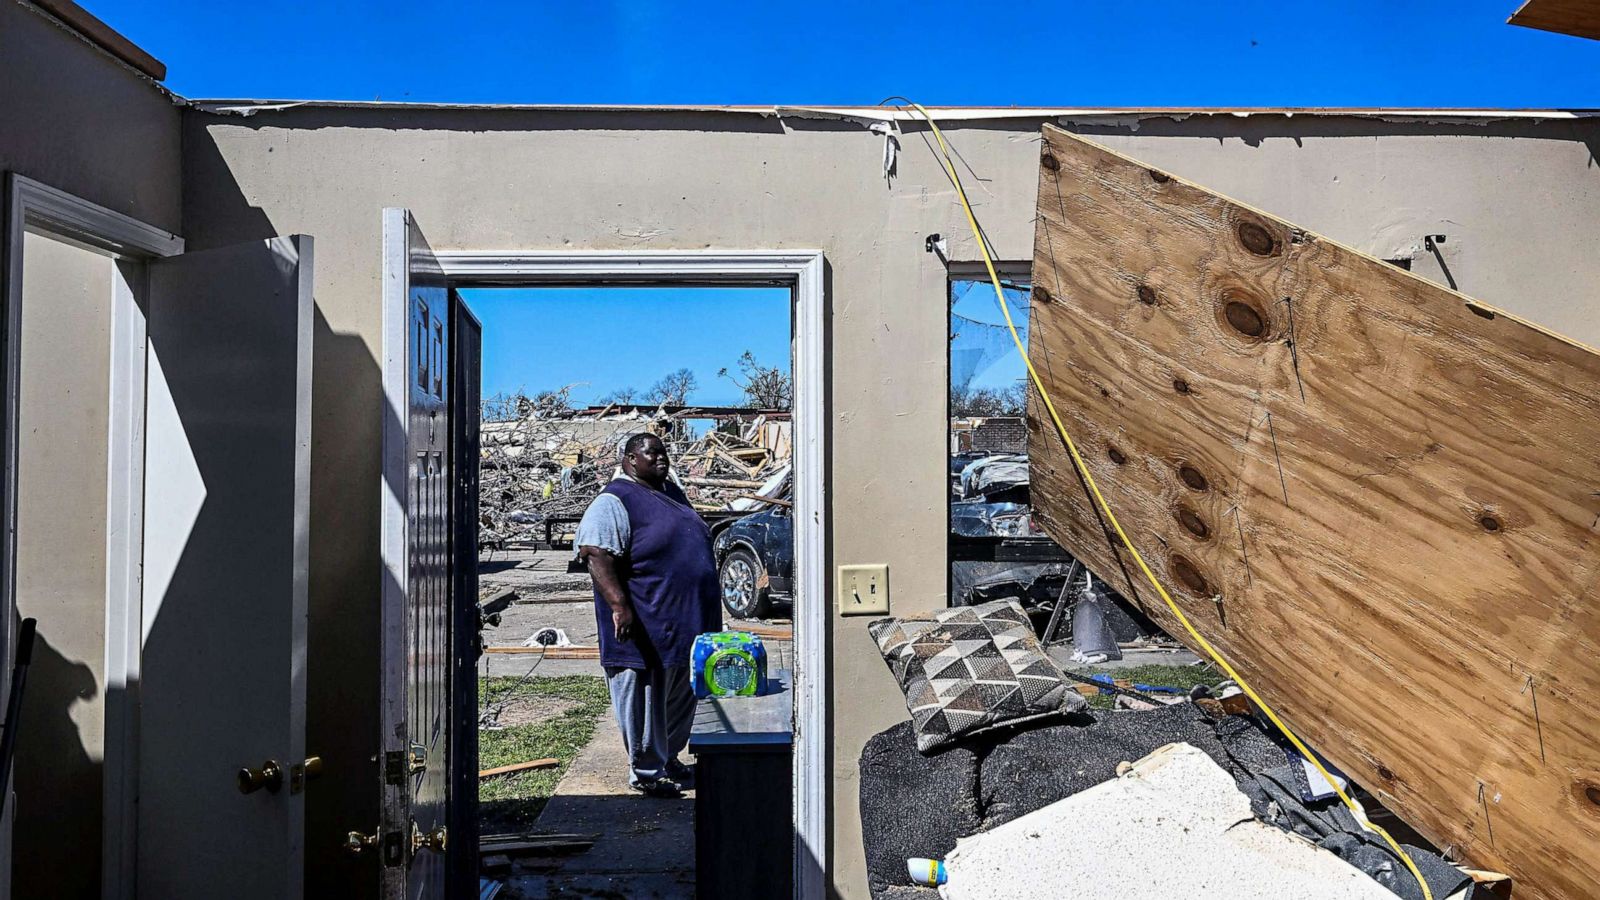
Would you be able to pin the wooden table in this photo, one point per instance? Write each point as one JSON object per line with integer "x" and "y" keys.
{"x": 744, "y": 793}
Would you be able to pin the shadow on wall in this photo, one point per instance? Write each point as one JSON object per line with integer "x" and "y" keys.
{"x": 57, "y": 834}
{"x": 342, "y": 652}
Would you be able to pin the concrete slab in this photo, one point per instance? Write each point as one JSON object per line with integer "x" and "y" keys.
{"x": 646, "y": 845}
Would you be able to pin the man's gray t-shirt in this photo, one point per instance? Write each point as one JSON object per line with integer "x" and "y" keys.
{"x": 604, "y": 525}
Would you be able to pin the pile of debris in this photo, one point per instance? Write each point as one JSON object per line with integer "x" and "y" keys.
{"x": 724, "y": 470}
{"x": 1053, "y": 808}
{"x": 543, "y": 462}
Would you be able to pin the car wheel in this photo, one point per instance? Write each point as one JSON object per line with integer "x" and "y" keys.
{"x": 744, "y": 595}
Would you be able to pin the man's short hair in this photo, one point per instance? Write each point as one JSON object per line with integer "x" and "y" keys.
{"x": 635, "y": 441}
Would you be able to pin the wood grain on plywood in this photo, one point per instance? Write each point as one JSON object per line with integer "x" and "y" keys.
{"x": 1378, "y": 498}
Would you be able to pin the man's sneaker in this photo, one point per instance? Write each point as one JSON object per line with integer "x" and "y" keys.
{"x": 682, "y": 774}
{"x": 660, "y": 787}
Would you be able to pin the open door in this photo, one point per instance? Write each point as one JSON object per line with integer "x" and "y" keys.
{"x": 418, "y": 497}
{"x": 222, "y": 758}
{"x": 466, "y": 363}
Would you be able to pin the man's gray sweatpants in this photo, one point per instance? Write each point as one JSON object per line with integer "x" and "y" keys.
{"x": 655, "y": 710}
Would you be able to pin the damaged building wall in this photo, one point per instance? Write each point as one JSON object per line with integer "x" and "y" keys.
{"x": 1515, "y": 197}
{"x": 81, "y": 121}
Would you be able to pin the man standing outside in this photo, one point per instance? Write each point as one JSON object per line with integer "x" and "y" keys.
{"x": 655, "y": 582}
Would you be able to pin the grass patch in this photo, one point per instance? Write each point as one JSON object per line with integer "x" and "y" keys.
{"x": 512, "y": 802}
{"x": 1181, "y": 677}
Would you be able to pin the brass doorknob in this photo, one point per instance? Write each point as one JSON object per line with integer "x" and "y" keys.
{"x": 434, "y": 840}
{"x": 418, "y": 758}
{"x": 356, "y": 843}
{"x": 269, "y": 776}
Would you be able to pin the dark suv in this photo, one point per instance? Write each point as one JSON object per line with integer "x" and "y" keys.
{"x": 755, "y": 561}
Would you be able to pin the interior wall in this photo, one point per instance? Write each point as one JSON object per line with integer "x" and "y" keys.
{"x": 1516, "y": 198}
{"x": 82, "y": 121}
{"x": 79, "y": 120}
{"x": 61, "y": 565}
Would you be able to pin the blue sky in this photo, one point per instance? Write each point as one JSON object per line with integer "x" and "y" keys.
{"x": 1248, "y": 53}
{"x": 609, "y": 338}
{"x": 982, "y": 351}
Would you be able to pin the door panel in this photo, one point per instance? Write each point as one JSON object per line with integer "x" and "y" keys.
{"x": 227, "y": 490}
{"x": 417, "y": 541}
{"x": 465, "y": 405}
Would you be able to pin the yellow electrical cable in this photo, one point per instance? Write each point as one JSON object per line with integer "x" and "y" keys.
{"x": 1088, "y": 479}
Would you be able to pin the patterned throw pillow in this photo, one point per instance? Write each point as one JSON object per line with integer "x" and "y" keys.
{"x": 969, "y": 668}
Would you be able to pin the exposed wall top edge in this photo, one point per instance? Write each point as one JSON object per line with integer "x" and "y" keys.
{"x": 943, "y": 113}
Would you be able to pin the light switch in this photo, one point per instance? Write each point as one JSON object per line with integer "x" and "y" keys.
{"x": 863, "y": 590}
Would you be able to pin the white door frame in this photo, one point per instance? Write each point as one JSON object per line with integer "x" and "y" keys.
{"x": 36, "y": 207}
{"x": 802, "y": 271}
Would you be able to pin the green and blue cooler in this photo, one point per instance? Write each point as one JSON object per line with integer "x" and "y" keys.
{"x": 728, "y": 664}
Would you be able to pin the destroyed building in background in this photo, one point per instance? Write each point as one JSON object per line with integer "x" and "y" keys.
{"x": 544, "y": 461}
{"x": 989, "y": 434}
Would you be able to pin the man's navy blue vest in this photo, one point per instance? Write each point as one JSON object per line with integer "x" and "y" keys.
{"x": 670, "y": 576}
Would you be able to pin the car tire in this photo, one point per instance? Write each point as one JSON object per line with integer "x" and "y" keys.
{"x": 742, "y": 582}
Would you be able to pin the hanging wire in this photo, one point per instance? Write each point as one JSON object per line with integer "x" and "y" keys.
{"x": 1099, "y": 498}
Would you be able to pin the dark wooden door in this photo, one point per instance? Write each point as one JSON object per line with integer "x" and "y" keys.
{"x": 465, "y": 402}
{"x": 419, "y": 498}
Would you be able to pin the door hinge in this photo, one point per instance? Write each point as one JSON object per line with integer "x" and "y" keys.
{"x": 395, "y": 768}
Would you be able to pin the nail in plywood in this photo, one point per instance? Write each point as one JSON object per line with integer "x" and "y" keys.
{"x": 1390, "y": 558}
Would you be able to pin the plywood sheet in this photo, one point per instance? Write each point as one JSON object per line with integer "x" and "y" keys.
{"x": 1378, "y": 497}
{"x": 1575, "y": 17}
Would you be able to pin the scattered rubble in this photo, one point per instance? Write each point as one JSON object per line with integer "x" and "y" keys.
{"x": 543, "y": 461}
{"x": 989, "y": 791}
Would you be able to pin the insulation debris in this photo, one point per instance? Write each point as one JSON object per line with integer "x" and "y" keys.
{"x": 1172, "y": 825}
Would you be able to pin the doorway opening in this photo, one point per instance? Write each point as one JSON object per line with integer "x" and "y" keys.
{"x": 131, "y": 491}
{"x": 569, "y": 373}
{"x": 63, "y": 456}
{"x": 422, "y": 292}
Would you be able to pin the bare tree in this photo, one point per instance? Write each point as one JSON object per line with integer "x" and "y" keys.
{"x": 970, "y": 401}
{"x": 765, "y": 387}
{"x": 544, "y": 404}
{"x": 673, "y": 389}
{"x": 621, "y": 396}
{"x": 548, "y": 404}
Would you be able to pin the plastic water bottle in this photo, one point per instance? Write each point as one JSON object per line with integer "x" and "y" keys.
{"x": 926, "y": 872}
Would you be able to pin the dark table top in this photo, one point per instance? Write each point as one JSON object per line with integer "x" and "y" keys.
{"x": 742, "y": 724}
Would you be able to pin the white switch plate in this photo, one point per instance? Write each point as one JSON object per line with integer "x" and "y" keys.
{"x": 863, "y": 590}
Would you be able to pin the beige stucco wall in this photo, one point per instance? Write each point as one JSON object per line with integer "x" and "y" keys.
{"x": 77, "y": 119}
{"x": 1517, "y": 199}
{"x": 61, "y": 562}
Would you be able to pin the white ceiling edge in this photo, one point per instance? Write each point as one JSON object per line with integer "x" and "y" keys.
{"x": 900, "y": 114}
